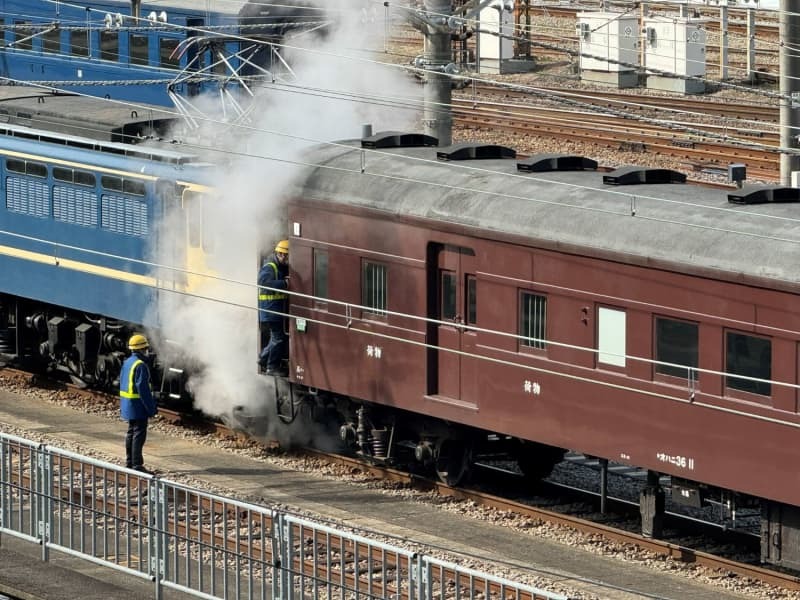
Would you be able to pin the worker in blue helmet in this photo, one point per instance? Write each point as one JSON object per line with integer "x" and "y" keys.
{"x": 273, "y": 280}
{"x": 137, "y": 403}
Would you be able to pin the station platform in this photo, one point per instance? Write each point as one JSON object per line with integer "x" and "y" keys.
{"x": 23, "y": 575}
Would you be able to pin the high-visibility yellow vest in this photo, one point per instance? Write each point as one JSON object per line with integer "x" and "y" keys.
{"x": 272, "y": 295}
{"x": 129, "y": 391}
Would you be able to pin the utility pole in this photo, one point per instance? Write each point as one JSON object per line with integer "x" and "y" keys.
{"x": 789, "y": 34}
{"x": 437, "y": 116}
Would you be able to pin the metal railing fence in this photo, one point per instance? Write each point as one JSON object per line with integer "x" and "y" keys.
{"x": 211, "y": 546}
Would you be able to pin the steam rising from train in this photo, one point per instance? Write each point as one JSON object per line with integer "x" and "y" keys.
{"x": 335, "y": 93}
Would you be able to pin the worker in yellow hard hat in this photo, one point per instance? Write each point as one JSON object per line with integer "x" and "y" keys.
{"x": 273, "y": 280}
{"x": 137, "y": 403}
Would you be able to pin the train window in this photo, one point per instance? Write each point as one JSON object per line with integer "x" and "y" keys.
{"x": 611, "y": 336}
{"x": 15, "y": 166}
{"x": 447, "y": 307}
{"x": 676, "y": 342}
{"x": 533, "y": 320}
{"x": 320, "y": 273}
{"x": 111, "y": 183}
{"x": 76, "y": 177}
{"x": 84, "y": 178}
{"x": 373, "y": 287}
{"x": 51, "y": 41}
{"x": 168, "y": 50}
{"x": 472, "y": 300}
{"x": 139, "y": 49}
{"x": 748, "y": 356}
{"x": 79, "y": 42}
{"x": 35, "y": 169}
{"x": 62, "y": 174}
{"x": 109, "y": 45}
{"x": 22, "y": 35}
{"x": 133, "y": 187}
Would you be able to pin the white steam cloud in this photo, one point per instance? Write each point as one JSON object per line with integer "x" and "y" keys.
{"x": 339, "y": 87}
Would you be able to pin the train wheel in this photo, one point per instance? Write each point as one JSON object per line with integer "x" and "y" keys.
{"x": 536, "y": 461}
{"x": 453, "y": 461}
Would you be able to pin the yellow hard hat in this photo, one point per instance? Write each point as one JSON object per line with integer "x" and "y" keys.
{"x": 282, "y": 247}
{"x": 138, "y": 342}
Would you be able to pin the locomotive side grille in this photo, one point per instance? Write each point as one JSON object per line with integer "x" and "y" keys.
{"x": 28, "y": 197}
{"x": 75, "y": 206}
{"x": 124, "y": 215}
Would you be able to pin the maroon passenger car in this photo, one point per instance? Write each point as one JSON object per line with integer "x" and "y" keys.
{"x": 445, "y": 307}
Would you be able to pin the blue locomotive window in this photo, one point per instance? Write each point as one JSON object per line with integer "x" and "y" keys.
{"x": 373, "y": 287}
{"x": 28, "y": 196}
{"x": 111, "y": 183}
{"x": 35, "y": 169}
{"x": 84, "y": 178}
{"x": 22, "y": 35}
{"x": 532, "y": 320}
{"x": 27, "y": 167}
{"x": 51, "y": 41}
{"x": 168, "y": 51}
{"x": 677, "y": 343}
{"x": 15, "y": 166}
{"x": 124, "y": 215}
{"x": 109, "y": 45}
{"x": 748, "y": 356}
{"x": 74, "y": 176}
{"x": 320, "y": 273}
{"x": 74, "y": 205}
{"x": 79, "y": 42}
{"x": 139, "y": 49}
{"x": 133, "y": 187}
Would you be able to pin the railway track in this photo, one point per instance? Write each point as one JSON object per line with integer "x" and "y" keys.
{"x": 130, "y": 491}
{"x": 620, "y": 134}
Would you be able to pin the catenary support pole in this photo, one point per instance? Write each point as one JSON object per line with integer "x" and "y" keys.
{"x": 789, "y": 33}
{"x": 437, "y": 118}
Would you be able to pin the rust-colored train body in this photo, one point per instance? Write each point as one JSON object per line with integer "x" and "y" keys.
{"x": 652, "y": 325}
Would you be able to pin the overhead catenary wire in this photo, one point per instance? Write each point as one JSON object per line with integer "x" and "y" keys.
{"x": 724, "y": 137}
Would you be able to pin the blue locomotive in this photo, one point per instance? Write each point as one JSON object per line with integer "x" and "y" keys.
{"x": 129, "y": 50}
{"x": 79, "y": 241}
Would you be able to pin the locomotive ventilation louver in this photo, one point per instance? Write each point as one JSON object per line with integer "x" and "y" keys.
{"x": 636, "y": 175}
{"x": 764, "y": 195}
{"x": 398, "y": 139}
{"x": 471, "y": 151}
{"x": 556, "y": 162}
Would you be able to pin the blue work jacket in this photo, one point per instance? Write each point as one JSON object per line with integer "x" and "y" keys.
{"x": 272, "y": 304}
{"x": 135, "y": 395}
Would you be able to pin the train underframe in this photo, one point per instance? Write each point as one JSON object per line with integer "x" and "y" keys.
{"x": 88, "y": 349}
{"x": 385, "y": 435}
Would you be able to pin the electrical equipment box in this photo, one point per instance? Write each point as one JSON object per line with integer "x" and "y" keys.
{"x": 609, "y": 46}
{"x": 676, "y": 46}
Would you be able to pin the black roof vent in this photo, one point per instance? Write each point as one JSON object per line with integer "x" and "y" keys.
{"x": 556, "y": 162}
{"x": 634, "y": 175}
{"x": 763, "y": 195}
{"x": 398, "y": 139}
{"x": 475, "y": 151}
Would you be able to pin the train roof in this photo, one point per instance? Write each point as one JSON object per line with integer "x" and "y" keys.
{"x": 685, "y": 227}
{"x": 84, "y": 116}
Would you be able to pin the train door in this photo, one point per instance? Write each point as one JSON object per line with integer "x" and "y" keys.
{"x": 455, "y": 368}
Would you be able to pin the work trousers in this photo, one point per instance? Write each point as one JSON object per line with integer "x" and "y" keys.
{"x": 277, "y": 349}
{"x": 134, "y": 443}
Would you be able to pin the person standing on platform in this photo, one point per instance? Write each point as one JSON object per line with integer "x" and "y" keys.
{"x": 137, "y": 403}
{"x": 272, "y": 310}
